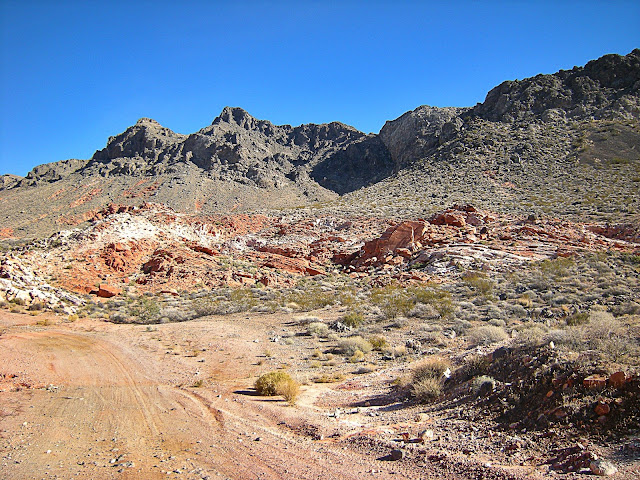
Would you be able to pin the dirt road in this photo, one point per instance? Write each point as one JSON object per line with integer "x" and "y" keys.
{"x": 96, "y": 400}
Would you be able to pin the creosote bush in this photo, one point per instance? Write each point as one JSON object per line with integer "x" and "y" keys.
{"x": 278, "y": 382}
{"x": 353, "y": 319}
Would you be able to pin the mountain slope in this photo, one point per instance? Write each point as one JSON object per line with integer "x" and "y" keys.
{"x": 564, "y": 144}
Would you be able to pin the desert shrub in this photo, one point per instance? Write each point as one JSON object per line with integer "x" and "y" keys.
{"x": 439, "y": 299}
{"x": 327, "y": 378}
{"x": 426, "y": 389}
{"x": 353, "y": 319}
{"x": 424, "y": 311}
{"x": 349, "y": 346}
{"x": 479, "y": 283}
{"x": 289, "y": 389}
{"x": 397, "y": 351}
{"x": 357, "y": 356}
{"x": 268, "y": 383}
{"x": 393, "y": 300}
{"x": 309, "y": 297}
{"x": 35, "y": 306}
{"x": 378, "y": 343}
{"x": 318, "y": 329}
{"x": 306, "y": 320}
{"x": 556, "y": 268}
{"x": 482, "y": 382}
{"x": 486, "y": 335}
{"x": 531, "y": 333}
{"x": 174, "y": 315}
{"x": 433, "y": 367}
{"x": 243, "y": 297}
{"x": 579, "y": 318}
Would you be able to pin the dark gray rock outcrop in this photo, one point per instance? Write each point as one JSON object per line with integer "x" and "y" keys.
{"x": 608, "y": 87}
{"x": 240, "y": 148}
{"x": 413, "y": 135}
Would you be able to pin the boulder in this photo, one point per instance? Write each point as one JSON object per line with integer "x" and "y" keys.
{"x": 108, "y": 291}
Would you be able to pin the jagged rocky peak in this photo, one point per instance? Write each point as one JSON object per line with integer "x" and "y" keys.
{"x": 235, "y": 115}
{"x": 147, "y": 121}
{"x": 608, "y": 87}
{"x": 146, "y": 139}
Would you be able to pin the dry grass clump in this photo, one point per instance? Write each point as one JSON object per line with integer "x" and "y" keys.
{"x": 426, "y": 389}
{"x": 487, "y": 335}
{"x": 431, "y": 367}
{"x": 290, "y": 390}
{"x": 428, "y": 377}
{"x": 318, "y": 329}
{"x": 349, "y": 346}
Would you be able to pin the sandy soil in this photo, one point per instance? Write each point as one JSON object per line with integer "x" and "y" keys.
{"x": 91, "y": 399}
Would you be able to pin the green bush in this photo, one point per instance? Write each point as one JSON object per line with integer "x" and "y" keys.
{"x": 353, "y": 319}
{"x": 393, "y": 300}
{"x": 378, "y": 342}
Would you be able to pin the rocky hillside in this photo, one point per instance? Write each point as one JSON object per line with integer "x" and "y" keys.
{"x": 561, "y": 144}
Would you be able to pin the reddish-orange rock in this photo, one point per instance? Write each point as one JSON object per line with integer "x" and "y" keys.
{"x": 617, "y": 379}
{"x": 602, "y": 408}
{"x": 595, "y": 381}
{"x": 450, "y": 217}
{"x": 108, "y": 291}
{"x": 401, "y": 236}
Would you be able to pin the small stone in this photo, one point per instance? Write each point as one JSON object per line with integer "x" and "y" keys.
{"x": 397, "y": 454}
{"x": 595, "y": 381}
{"x": 426, "y": 436}
{"x": 603, "y": 468}
{"x": 602, "y": 408}
{"x": 617, "y": 379}
{"x": 421, "y": 417}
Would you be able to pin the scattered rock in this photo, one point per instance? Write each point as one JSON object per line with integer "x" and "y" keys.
{"x": 603, "y": 468}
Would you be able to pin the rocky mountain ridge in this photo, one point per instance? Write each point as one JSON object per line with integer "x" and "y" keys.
{"x": 523, "y": 129}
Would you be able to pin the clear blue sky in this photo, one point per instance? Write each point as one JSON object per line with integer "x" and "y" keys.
{"x": 73, "y": 73}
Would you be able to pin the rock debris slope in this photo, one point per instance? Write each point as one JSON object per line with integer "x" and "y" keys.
{"x": 562, "y": 144}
